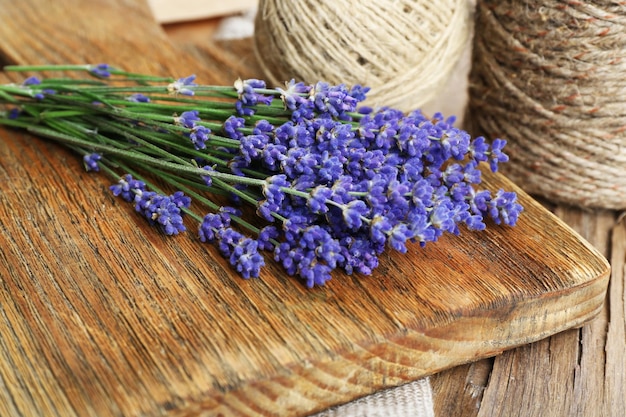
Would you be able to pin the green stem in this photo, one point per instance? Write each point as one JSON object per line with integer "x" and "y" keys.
{"x": 216, "y": 208}
{"x": 130, "y": 155}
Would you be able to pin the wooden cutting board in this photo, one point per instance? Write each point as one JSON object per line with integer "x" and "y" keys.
{"x": 102, "y": 316}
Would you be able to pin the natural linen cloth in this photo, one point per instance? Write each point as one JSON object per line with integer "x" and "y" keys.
{"x": 414, "y": 399}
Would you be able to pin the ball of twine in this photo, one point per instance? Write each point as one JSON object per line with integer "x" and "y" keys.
{"x": 550, "y": 77}
{"x": 403, "y": 49}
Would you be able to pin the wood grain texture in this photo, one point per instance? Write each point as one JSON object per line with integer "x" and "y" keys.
{"x": 579, "y": 372}
{"x": 561, "y": 373}
{"x": 103, "y": 316}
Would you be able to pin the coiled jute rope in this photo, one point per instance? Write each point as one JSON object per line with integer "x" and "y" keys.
{"x": 550, "y": 77}
{"x": 404, "y": 50}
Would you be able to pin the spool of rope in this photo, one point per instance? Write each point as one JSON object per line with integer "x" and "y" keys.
{"x": 405, "y": 50}
{"x": 550, "y": 77}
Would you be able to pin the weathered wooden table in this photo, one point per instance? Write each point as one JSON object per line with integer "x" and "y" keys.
{"x": 100, "y": 315}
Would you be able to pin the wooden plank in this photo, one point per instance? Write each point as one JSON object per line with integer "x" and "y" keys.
{"x": 103, "y": 316}
{"x": 565, "y": 373}
{"x": 459, "y": 391}
{"x": 578, "y": 372}
{"x": 99, "y": 31}
{"x": 612, "y": 378}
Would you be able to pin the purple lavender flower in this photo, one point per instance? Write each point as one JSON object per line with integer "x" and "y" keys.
{"x": 475, "y": 222}
{"x": 314, "y": 273}
{"x": 294, "y": 95}
{"x": 478, "y": 149}
{"x": 208, "y": 181}
{"x": 243, "y": 110}
{"x": 248, "y": 97}
{"x": 311, "y": 253}
{"x": 251, "y": 146}
{"x": 180, "y": 199}
{"x": 376, "y": 196}
{"x": 14, "y": 113}
{"x": 497, "y": 156}
{"x": 459, "y": 192}
{"x": 422, "y": 193}
{"x": 295, "y": 224}
{"x": 299, "y": 162}
{"x": 128, "y": 188}
{"x": 442, "y": 215}
{"x": 160, "y": 210}
{"x": 318, "y": 197}
{"x": 246, "y": 258}
{"x": 360, "y": 254}
{"x": 31, "y": 81}
{"x": 353, "y": 213}
{"x": 212, "y": 224}
{"x": 91, "y": 162}
{"x": 43, "y": 93}
{"x": 263, "y": 127}
{"x": 359, "y": 93}
{"x": 412, "y": 139}
{"x": 453, "y": 174}
{"x": 227, "y": 238}
{"x": 333, "y": 136}
{"x": 273, "y": 156}
{"x": 331, "y": 167}
{"x": 471, "y": 173}
{"x": 324, "y": 245}
{"x": 504, "y": 208}
{"x": 187, "y": 119}
{"x": 227, "y": 212}
{"x": 247, "y": 94}
{"x": 183, "y": 86}
{"x": 199, "y": 135}
{"x": 422, "y": 230}
{"x": 100, "y": 70}
{"x": 138, "y": 98}
{"x": 456, "y": 142}
{"x": 266, "y": 235}
{"x": 272, "y": 189}
{"x": 479, "y": 201}
{"x": 379, "y": 229}
{"x": 398, "y": 237}
{"x": 232, "y": 125}
{"x": 337, "y": 100}
{"x": 242, "y": 252}
{"x": 341, "y": 189}
{"x": 274, "y": 196}
{"x": 288, "y": 257}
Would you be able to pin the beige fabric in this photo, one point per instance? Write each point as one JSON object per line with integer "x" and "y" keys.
{"x": 410, "y": 400}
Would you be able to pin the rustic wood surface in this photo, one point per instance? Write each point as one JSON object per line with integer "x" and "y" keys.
{"x": 102, "y": 316}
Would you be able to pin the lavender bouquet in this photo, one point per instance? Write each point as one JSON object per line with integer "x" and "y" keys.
{"x": 333, "y": 184}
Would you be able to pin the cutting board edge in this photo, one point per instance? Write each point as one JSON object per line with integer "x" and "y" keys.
{"x": 405, "y": 357}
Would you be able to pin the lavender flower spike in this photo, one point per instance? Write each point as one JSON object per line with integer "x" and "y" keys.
{"x": 187, "y": 119}
{"x": 160, "y": 210}
{"x": 183, "y": 86}
{"x": 100, "y": 70}
{"x": 127, "y": 188}
{"x": 91, "y": 162}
